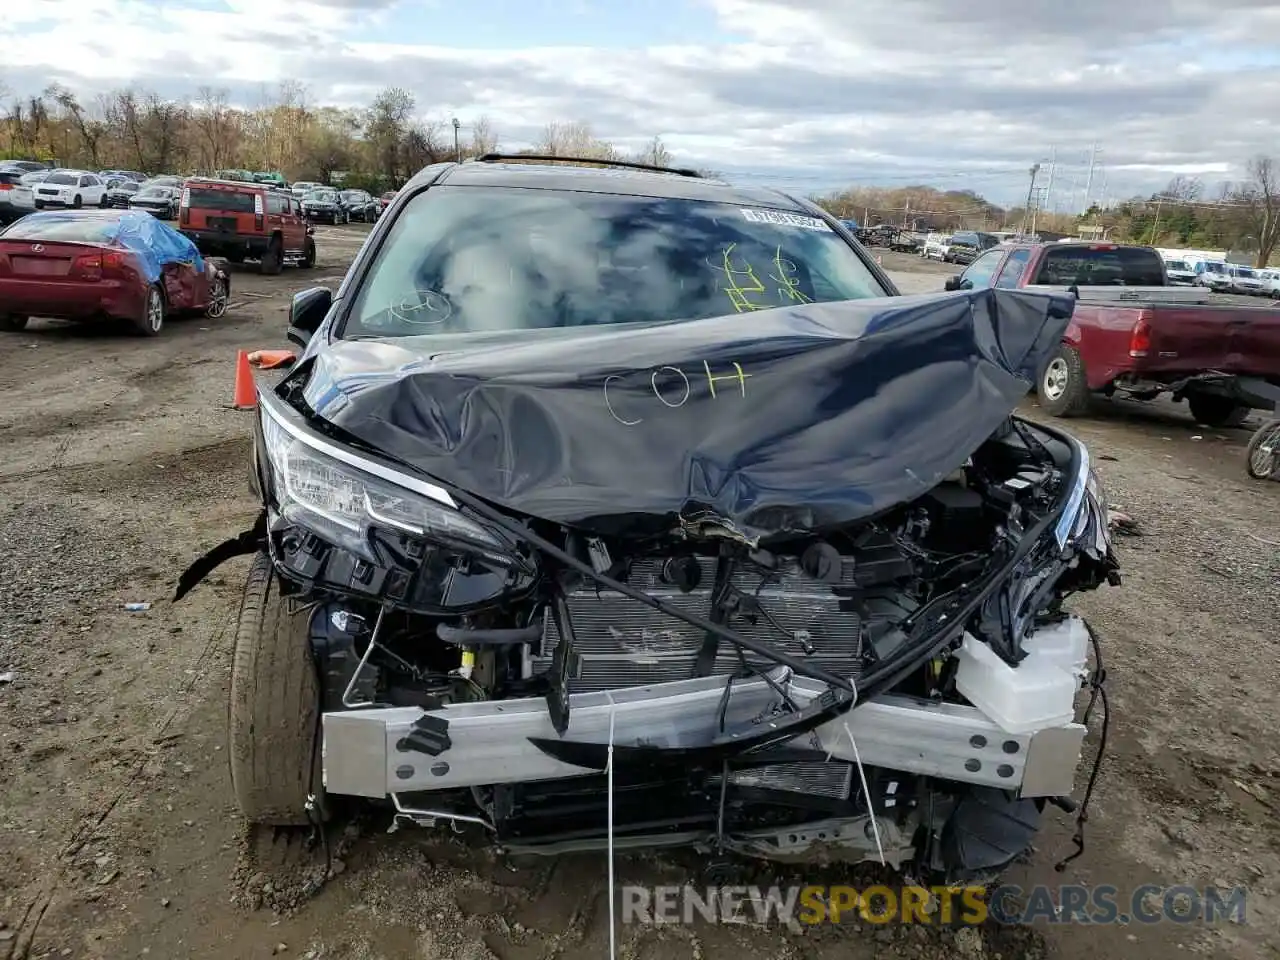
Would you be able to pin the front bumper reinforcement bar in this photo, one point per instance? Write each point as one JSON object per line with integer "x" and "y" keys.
{"x": 377, "y": 752}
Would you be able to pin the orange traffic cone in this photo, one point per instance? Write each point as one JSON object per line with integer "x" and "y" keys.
{"x": 246, "y": 392}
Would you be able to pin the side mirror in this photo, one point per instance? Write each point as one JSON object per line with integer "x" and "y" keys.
{"x": 952, "y": 284}
{"x": 307, "y": 312}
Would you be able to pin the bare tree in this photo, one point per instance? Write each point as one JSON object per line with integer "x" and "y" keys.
{"x": 656, "y": 153}
{"x": 215, "y": 121}
{"x": 1183, "y": 189}
{"x": 483, "y": 138}
{"x": 90, "y": 130}
{"x": 1260, "y": 199}
{"x": 575, "y": 140}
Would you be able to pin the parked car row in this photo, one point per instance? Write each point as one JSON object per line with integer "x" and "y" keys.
{"x": 1223, "y": 277}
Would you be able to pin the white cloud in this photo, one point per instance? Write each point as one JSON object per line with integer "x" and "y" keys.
{"x": 814, "y": 93}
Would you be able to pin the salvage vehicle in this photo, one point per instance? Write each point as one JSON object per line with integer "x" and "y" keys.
{"x": 160, "y": 202}
{"x": 96, "y": 265}
{"x": 967, "y": 245}
{"x": 70, "y": 188}
{"x": 121, "y": 193}
{"x": 359, "y": 205}
{"x": 324, "y": 203}
{"x": 16, "y": 198}
{"x": 240, "y": 220}
{"x": 624, "y": 506}
{"x": 1135, "y": 335}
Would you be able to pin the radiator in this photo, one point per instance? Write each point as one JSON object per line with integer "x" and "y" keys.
{"x": 622, "y": 642}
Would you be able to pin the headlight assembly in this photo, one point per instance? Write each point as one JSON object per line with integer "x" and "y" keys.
{"x": 342, "y": 503}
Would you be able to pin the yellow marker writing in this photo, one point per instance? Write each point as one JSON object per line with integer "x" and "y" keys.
{"x": 789, "y": 284}
{"x": 740, "y": 376}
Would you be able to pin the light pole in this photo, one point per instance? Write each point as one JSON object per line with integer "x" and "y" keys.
{"x": 457, "y": 149}
{"x": 1026, "y": 219}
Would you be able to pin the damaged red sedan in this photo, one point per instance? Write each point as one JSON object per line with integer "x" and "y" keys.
{"x": 105, "y": 265}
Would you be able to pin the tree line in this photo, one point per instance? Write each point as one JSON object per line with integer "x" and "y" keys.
{"x": 379, "y": 146}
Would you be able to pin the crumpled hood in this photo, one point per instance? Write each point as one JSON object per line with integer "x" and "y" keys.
{"x": 780, "y": 420}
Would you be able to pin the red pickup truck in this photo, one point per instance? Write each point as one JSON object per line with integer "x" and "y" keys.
{"x": 1134, "y": 335}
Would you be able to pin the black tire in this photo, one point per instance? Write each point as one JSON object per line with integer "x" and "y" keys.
{"x": 274, "y": 711}
{"x": 11, "y": 323}
{"x": 1265, "y": 467}
{"x": 78, "y": 202}
{"x": 1215, "y": 411}
{"x": 104, "y": 203}
{"x": 151, "y": 321}
{"x": 1062, "y": 389}
{"x": 308, "y": 255}
{"x": 272, "y": 261}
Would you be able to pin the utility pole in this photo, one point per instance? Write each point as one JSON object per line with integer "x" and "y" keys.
{"x": 1088, "y": 182}
{"x": 1053, "y": 168}
{"x": 1031, "y": 189}
{"x": 457, "y": 148}
{"x": 906, "y": 214}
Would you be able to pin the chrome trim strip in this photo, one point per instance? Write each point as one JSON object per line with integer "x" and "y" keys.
{"x": 430, "y": 490}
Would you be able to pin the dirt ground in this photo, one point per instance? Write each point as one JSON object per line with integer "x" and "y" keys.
{"x": 120, "y": 461}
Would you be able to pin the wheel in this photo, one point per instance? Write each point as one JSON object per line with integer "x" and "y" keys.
{"x": 219, "y": 295}
{"x": 272, "y": 261}
{"x": 104, "y": 203}
{"x": 151, "y": 322}
{"x": 1215, "y": 411}
{"x": 1063, "y": 389}
{"x": 78, "y": 202}
{"x": 12, "y": 323}
{"x": 1263, "y": 456}
{"x": 308, "y": 255}
{"x": 274, "y": 712}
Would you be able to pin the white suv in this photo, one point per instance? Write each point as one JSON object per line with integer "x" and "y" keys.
{"x": 935, "y": 248}
{"x": 70, "y": 188}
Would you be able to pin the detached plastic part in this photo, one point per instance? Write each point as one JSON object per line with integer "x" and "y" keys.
{"x": 1040, "y": 691}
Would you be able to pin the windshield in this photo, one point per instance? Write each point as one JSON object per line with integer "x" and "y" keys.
{"x": 1244, "y": 272}
{"x": 92, "y": 229}
{"x": 1102, "y": 267}
{"x": 1176, "y": 265}
{"x": 323, "y": 196}
{"x": 61, "y": 178}
{"x": 157, "y": 193}
{"x": 466, "y": 260}
{"x": 352, "y": 195}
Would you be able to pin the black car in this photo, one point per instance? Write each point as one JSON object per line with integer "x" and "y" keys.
{"x": 120, "y": 191}
{"x": 325, "y": 204}
{"x": 968, "y": 245}
{"x": 159, "y": 201}
{"x": 360, "y": 205}
{"x": 599, "y": 476}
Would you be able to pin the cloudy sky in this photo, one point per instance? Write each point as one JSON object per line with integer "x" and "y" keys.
{"x": 807, "y": 94}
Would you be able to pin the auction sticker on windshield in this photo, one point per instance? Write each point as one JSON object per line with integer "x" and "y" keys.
{"x": 785, "y": 219}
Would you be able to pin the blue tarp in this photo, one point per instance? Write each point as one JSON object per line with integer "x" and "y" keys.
{"x": 155, "y": 242}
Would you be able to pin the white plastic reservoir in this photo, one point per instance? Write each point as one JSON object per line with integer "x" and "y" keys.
{"x": 1040, "y": 691}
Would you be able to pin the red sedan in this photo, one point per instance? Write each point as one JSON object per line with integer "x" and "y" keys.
{"x": 105, "y": 264}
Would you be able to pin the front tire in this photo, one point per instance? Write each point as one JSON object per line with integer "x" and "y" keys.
{"x": 151, "y": 322}
{"x": 78, "y": 202}
{"x": 274, "y": 710}
{"x": 1263, "y": 464}
{"x": 1215, "y": 411}
{"x": 1063, "y": 389}
{"x": 10, "y": 323}
{"x": 308, "y": 255}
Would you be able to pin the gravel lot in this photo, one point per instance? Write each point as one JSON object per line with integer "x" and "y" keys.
{"x": 120, "y": 461}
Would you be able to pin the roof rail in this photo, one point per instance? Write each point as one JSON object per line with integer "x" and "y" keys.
{"x": 626, "y": 164}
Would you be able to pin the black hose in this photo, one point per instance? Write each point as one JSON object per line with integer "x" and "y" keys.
{"x": 1098, "y": 692}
